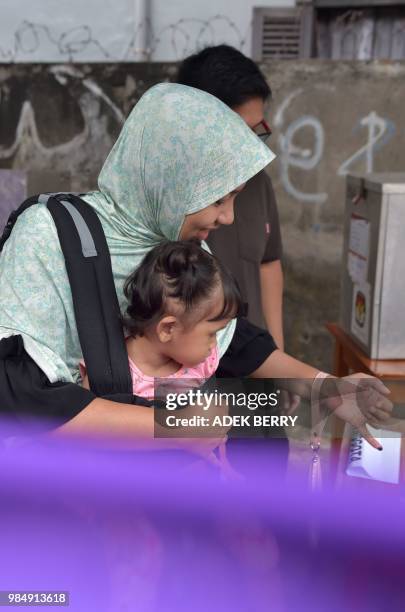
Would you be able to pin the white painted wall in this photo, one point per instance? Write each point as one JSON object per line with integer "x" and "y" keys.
{"x": 109, "y": 30}
{"x": 183, "y": 26}
{"x": 62, "y": 30}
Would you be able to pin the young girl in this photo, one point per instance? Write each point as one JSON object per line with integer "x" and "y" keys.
{"x": 178, "y": 299}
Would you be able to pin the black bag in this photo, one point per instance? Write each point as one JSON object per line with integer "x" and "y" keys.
{"x": 95, "y": 301}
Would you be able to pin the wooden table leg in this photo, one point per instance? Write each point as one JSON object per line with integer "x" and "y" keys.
{"x": 340, "y": 367}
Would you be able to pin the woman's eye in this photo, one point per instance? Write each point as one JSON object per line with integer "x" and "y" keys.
{"x": 219, "y": 203}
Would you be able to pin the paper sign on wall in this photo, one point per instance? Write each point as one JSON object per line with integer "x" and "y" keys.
{"x": 358, "y": 252}
{"x": 361, "y": 307}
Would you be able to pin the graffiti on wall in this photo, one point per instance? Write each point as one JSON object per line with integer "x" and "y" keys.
{"x": 38, "y": 141}
{"x": 379, "y": 131}
{"x": 84, "y": 149}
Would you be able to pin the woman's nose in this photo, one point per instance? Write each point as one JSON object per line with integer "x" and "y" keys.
{"x": 226, "y": 215}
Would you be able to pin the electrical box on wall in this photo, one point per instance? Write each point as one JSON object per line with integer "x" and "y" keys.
{"x": 373, "y": 271}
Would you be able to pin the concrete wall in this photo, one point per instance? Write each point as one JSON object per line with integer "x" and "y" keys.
{"x": 58, "y": 123}
{"x": 329, "y": 118}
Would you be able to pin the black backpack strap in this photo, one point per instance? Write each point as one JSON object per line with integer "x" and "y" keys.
{"x": 95, "y": 301}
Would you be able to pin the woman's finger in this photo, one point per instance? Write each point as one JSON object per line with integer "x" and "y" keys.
{"x": 294, "y": 403}
{"x": 227, "y": 471}
{"x": 376, "y": 383}
{"x": 377, "y": 414}
{"x": 373, "y": 423}
{"x": 369, "y": 438}
{"x": 213, "y": 460}
{"x": 222, "y": 451}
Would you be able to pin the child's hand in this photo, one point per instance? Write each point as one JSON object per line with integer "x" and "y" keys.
{"x": 219, "y": 460}
{"x": 201, "y": 440}
{"x": 203, "y": 448}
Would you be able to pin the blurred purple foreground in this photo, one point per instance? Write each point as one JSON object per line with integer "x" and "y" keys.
{"x": 126, "y": 531}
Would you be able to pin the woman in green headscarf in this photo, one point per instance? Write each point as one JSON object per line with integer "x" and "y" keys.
{"x": 173, "y": 173}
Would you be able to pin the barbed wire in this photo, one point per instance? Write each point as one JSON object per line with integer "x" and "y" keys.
{"x": 184, "y": 36}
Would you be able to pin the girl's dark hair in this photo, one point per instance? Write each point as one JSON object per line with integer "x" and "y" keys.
{"x": 181, "y": 270}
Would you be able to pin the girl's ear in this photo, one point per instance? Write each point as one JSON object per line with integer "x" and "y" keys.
{"x": 165, "y": 328}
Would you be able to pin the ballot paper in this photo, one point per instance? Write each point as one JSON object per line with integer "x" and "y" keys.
{"x": 357, "y": 267}
{"x": 367, "y": 462}
{"x": 358, "y": 251}
{"x": 359, "y": 236}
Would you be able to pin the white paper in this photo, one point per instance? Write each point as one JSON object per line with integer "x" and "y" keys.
{"x": 357, "y": 268}
{"x": 358, "y": 252}
{"x": 368, "y": 462}
{"x": 361, "y": 307}
{"x": 359, "y": 236}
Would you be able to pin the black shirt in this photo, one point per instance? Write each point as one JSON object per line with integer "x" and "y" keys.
{"x": 254, "y": 238}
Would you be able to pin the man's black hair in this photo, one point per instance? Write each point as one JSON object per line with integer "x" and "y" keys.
{"x": 225, "y": 73}
{"x": 181, "y": 270}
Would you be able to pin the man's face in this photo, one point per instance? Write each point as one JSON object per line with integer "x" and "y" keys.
{"x": 252, "y": 112}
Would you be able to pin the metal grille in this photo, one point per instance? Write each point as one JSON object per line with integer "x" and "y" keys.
{"x": 282, "y": 33}
{"x": 281, "y": 37}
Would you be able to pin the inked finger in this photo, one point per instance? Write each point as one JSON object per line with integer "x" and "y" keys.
{"x": 369, "y": 438}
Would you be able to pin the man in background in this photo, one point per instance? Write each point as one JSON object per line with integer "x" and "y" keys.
{"x": 251, "y": 246}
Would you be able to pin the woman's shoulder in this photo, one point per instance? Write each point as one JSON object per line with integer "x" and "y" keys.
{"x": 35, "y": 229}
{"x": 33, "y": 250}
{"x": 36, "y": 215}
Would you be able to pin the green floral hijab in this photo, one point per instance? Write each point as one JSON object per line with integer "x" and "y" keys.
{"x": 179, "y": 151}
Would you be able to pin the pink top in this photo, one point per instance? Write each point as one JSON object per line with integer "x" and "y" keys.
{"x": 143, "y": 385}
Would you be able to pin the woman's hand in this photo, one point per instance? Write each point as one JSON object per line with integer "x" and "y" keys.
{"x": 373, "y": 398}
{"x": 288, "y": 402}
{"x": 202, "y": 448}
{"x": 201, "y": 438}
{"x": 226, "y": 472}
{"x": 360, "y": 399}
